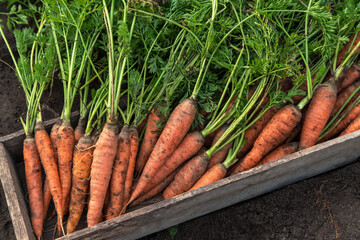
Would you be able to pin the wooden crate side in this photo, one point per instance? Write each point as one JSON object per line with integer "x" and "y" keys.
{"x": 226, "y": 192}
{"x": 14, "y": 197}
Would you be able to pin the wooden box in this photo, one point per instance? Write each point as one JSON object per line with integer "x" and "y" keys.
{"x": 161, "y": 215}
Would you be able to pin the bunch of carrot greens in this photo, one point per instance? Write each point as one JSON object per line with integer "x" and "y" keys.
{"x": 198, "y": 89}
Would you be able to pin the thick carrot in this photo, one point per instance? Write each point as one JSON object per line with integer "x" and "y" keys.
{"x": 353, "y": 126}
{"x": 118, "y": 177}
{"x": 215, "y": 173}
{"x": 83, "y": 153}
{"x": 80, "y": 129}
{"x": 343, "y": 96}
{"x": 134, "y": 145}
{"x": 189, "y": 146}
{"x": 46, "y": 152}
{"x": 174, "y": 131}
{"x": 346, "y": 49}
{"x": 152, "y": 133}
{"x": 282, "y": 151}
{"x": 65, "y": 144}
{"x": 187, "y": 176}
{"x": 351, "y": 75}
{"x": 34, "y": 184}
{"x": 252, "y": 132}
{"x": 101, "y": 168}
{"x": 155, "y": 190}
{"x": 318, "y": 114}
{"x": 220, "y": 155}
{"x": 46, "y": 191}
{"x": 275, "y": 132}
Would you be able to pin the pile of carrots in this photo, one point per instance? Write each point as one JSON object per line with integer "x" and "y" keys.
{"x": 237, "y": 88}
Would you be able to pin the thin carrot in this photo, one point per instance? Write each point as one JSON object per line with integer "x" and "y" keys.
{"x": 65, "y": 144}
{"x": 220, "y": 155}
{"x": 353, "y": 126}
{"x": 174, "y": 131}
{"x": 189, "y": 146}
{"x": 344, "y": 95}
{"x": 213, "y": 174}
{"x": 101, "y": 168}
{"x": 351, "y": 75}
{"x": 282, "y": 151}
{"x": 34, "y": 185}
{"x": 134, "y": 146}
{"x": 118, "y": 177}
{"x": 275, "y": 132}
{"x": 318, "y": 114}
{"x": 295, "y": 133}
{"x": 252, "y": 132}
{"x": 352, "y": 43}
{"x": 187, "y": 176}
{"x": 152, "y": 133}
{"x": 43, "y": 144}
{"x": 80, "y": 129}
{"x": 83, "y": 153}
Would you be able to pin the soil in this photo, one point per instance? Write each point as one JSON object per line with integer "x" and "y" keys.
{"x": 323, "y": 207}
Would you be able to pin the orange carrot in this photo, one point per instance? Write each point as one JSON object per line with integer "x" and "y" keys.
{"x": 343, "y": 96}
{"x": 34, "y": 184}
{"x": 252, "y": 132}
{"x": 352, "y": 43}
{"x": 83, "y": 153}
{"x": 174, "y": 131}
{"x": 189, "y": 146}
{"x": 80, "y": 129}
{"x": 275, "y": 132}
{"x": 351, "y": 75}
{"x": 353, "y": 126}
{"x": 187, "y": 176}
{"x": 118, "y": 177}
{"x": 101, "y": 168}
{"x": 134, "y": 145}
{"x": 220, "y": 155}
{"x": 65, "y": 144}
{"x": 318, "y": 114}
{"x": 152, "y": 133}
{"x": 46, "y": 152}
{"x": 282, "y": 151}
{"x": 155, "y": 190}
{"x": 295, "y": 133}
{"x": 215, "y": 173}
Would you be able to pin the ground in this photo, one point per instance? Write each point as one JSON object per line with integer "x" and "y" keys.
{"x": 323, "y": 207}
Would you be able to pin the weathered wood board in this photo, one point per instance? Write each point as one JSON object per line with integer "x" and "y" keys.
{"x": 155, "y": 217}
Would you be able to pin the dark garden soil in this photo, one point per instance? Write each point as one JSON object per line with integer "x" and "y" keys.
{"x": 323, "y": 207}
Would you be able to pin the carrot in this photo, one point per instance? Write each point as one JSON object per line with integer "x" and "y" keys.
{"x": 352, "y": 43}
{"x": 152, "y": 133}
{"x": 318, "y": 114}
{"x": 189, "y": 146}
{"x": 187, "y": 176}
{"x": 43, "y": 144}
{"x": 83, "y": 153}
{"x": 101, "y": 168}
{"x": 282, "y": 151}
{"x": 351, "y": 75}
{"x": 344, "y": 95}
{"x": 275, "y": 132}
{"x": 34, "y": 184}
{"x": 220, "y": 156}
{"x": 46, "y": 191}
{"x": 174, "y": 131}
{"x": 65, "y": 144}
{"x": 118, "y": 177}
{"x": 155, "y": 190}
{"x": 353, "y": 126}
{"x": 213, "y": 174}
{"x": 80, "y": 129}
{"x": 252, "y": 132}
{"x": 134, "y": 145}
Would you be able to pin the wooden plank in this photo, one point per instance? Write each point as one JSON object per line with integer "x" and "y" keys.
{"x": 13, "y": 142}
{"x": 257, "y": 181}
{"x": 14, "y": 197}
